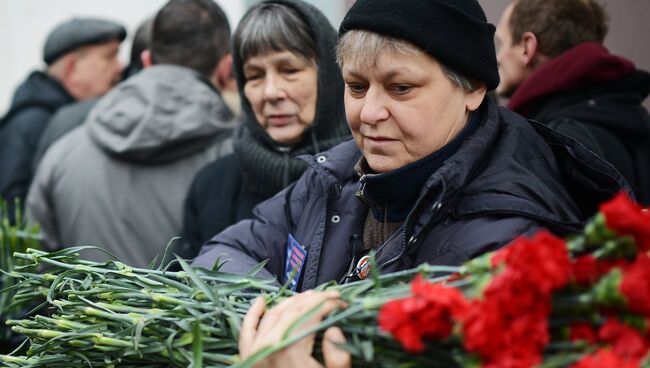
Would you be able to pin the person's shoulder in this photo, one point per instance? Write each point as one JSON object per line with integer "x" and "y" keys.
{"x": 28, "y": 118}
{"x": 222, "y": 165}
{"x": 74, "y": 112}
{"x": 60, "y": 151}
{"x": 220, "y": 171}
{"x": 338, "y": 160}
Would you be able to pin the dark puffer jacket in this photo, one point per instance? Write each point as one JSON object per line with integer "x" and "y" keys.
{"x": 510, "y": 177}
{"x": 33, "y": 104}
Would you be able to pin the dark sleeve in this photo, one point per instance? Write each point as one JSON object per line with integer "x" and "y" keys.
{"x": 191, "y": 217}
{"x": 468, "y": 239}
{"x": 18, "y": 142}
{"x": 263, "y": 237}
{"x": 208, "y": 207}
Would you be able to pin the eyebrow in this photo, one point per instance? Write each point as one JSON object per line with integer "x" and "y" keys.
{"x": 281, "y": 58}
{"x": 387, "y": 75}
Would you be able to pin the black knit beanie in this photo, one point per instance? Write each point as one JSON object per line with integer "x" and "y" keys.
{"x": 454, "y": 32}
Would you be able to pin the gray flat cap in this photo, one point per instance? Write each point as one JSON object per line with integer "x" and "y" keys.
{"x": 78, "y": 32}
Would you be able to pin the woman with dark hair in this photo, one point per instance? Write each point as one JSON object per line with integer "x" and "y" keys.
{"x": 284, "y": 60}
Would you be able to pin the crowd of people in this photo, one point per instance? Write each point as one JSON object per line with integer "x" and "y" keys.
{"x": 383, "y": 137}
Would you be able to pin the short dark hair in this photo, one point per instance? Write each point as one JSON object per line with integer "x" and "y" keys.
{"x": 141, "y": 42}
{"x": 190, "y": 33}
{"x": 273, "y": 27}
{"x": 559, "y": 25}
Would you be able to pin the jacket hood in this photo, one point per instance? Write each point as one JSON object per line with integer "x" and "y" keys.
{"x": 39, "y": 89}
{"x": 586, "y": 65}
{"x": 615, "y": 105}
{"x": 329, "y": 119}
{"x": 161, "y": 114}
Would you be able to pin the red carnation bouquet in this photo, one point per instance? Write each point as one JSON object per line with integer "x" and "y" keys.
{"x": 541, "y": 301}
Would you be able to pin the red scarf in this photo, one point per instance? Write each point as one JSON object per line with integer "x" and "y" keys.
{"x": 585, "y": 65}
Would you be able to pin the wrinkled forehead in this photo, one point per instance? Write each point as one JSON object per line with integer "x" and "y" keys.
{"x": 361, "y": 49}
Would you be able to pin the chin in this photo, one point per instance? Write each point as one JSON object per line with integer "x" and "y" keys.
{"x": 381, "y": 164}
{"x": 287, "y": 139}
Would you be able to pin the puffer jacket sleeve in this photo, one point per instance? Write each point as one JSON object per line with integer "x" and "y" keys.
{"x": 469, "y": 238}
{"x": 17, "y": 144}
{"x": 264, "y": 237}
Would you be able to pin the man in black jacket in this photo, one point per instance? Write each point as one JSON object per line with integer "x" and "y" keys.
{"x": 81, "y": 57}
{"x": 555, "y": 69}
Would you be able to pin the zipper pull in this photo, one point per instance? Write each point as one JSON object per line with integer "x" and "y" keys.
{"x": 360, "y": 193}
{"x": 362, "y": 187}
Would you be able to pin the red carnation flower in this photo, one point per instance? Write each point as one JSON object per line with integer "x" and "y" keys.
{"x": 625, "y": 341}
{"x": 605, "y": 358}
{"x": 394, "y": 319}
{"x": 628, "y": 218}
{"x": 586, "y": 270}
{"x": 429, "y": 313}
{"x": 635, "y": 285}
{"x": 446, "y": 299}
{"x": 514, "y": 293}
{"x": 511, "y": 323}
{"x": 544, "y": 259}
{"x": 482, "y": 324}
{"x": 514, "y": 358}
{"x": 582, "y": 331}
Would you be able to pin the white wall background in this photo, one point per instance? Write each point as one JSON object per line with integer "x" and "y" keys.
{"x": 25, "y": 24}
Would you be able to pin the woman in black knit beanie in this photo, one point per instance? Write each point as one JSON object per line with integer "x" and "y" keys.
{"x": 437, "y": 173}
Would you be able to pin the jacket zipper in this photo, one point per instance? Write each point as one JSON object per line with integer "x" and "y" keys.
{"x": 359, "y": 193}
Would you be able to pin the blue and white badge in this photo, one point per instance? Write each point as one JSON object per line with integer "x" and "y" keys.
{"x": 296, "y": 256}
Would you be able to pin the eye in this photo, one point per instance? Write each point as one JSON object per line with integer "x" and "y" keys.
{"x": 401, "y": 89}
{"x": 356, "y": 88}
{"x": 289, "y": 70}
{"x": 252, "y": 76}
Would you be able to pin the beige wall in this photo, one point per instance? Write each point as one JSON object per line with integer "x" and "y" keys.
{"x": 629, "y": 28}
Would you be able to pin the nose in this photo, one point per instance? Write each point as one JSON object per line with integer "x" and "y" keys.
{"x": 374, "y": 109}
{"x": 273, "y": 88}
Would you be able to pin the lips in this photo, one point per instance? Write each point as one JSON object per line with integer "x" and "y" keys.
{"x": 379, "y": 139}
{"x": 279, "y": 120}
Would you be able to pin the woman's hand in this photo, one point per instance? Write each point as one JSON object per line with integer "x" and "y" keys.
{"x": 260, "y": 330}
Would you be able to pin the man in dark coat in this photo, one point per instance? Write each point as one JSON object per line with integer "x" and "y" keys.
{"x": 437, "y": 173}
{"x": 555, "y": 70}
{"x": 81, "y": 57}
{"x": 73, "y": 115}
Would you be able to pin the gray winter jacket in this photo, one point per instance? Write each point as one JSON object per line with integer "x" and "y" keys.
{"x": 119, "y": 180}
{"x": 509, "y": 178}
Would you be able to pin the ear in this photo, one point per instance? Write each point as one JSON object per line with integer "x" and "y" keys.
{"x": 69, "y": 65}
{"x": 475, "y": 98}
{"x": 146, "y": 59}
{"x": 530, "y": 49}
{"x": 222, "y": 77}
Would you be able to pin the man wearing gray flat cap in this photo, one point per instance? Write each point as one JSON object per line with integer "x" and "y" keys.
{"x": 81, "y": 63}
